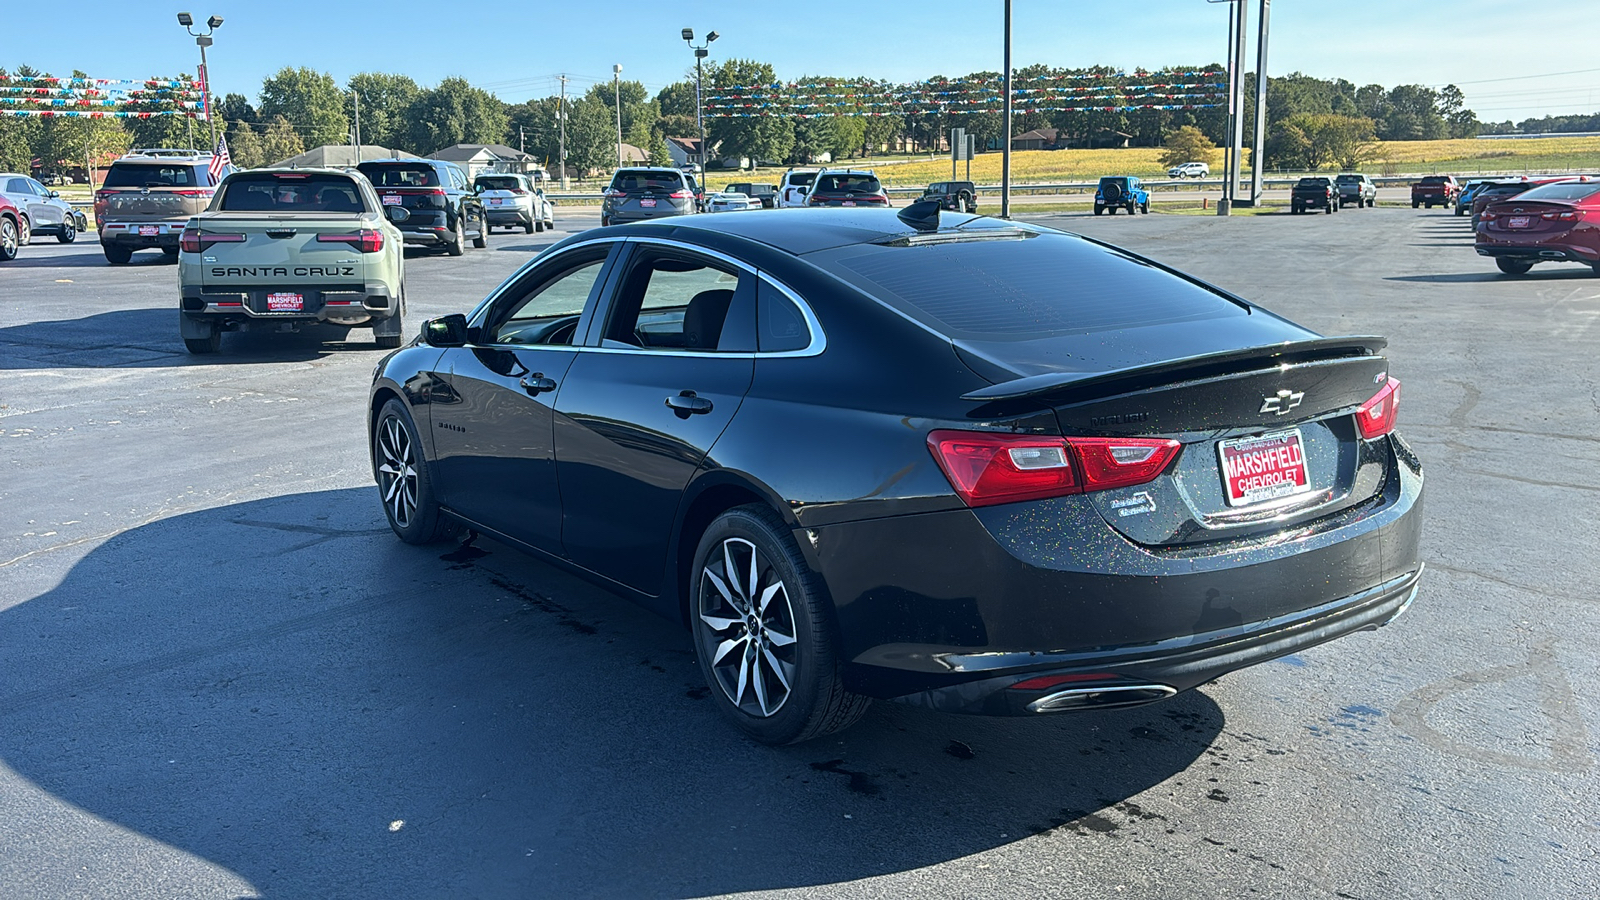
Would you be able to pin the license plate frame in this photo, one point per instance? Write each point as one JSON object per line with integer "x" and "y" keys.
{"x": 149, "y": 230}
{"x": 1269, "y": 467}
{"x": 648, "y": 204}
{"x": 392, "y": 199}
{"x": 496, "y": 201}
{"x": 1519, "y": 221}
{"x": 284, "y": 301}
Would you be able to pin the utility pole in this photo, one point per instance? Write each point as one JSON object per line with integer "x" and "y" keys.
{"x": 1232, "y": 170}
{"x": 561, "y": 116}
{"x": 522, "y": 140}
{"x": 1005, "y": 157}
{"x": 1257, "y": 161}
{"x": 616, "y": 85}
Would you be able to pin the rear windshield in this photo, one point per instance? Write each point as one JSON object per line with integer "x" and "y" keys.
{"x": 801, "y": 179}
{"x": 1005, "y": 290}
{"x": 498, "y": 183}
{"x": 399, "y": 175}
{"x": 631, "y": 181}
{"x": 133, "y": 175}
{"x": 269, "y": 192}
{"x": 846, "y": 183}
{"x": 1348, "y": 179}
{"x": 1503, "y": 189}
{"x": 1313, "y": 182}
{"x": 1568, "y": 190}
{"x": 1433, "y": 179}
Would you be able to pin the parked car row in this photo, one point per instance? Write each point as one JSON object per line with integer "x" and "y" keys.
{"x": 1520, "y": 223}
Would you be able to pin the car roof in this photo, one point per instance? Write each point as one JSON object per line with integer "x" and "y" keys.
{"x": 301, "y": 170}
{"x": 802, "y": 231}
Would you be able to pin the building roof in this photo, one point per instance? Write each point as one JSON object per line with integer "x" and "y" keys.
{"x": 469, "y": 152}
{"x": 630, "y": 153}
{"x": 688, "y": 145}
{"x": 336, "y": 155}
{"x": 1038, "y": 134}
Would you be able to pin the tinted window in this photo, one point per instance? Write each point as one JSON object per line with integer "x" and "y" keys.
{"x": 263, "y": 192}
{"x": 17, "y": 186}
{"x": 531, "y": 318}
{"x": 801, "y": 179}
{"x": 1349, "y": 179}
{"x": 1021, "y": 289}
{"x": 845, "y": 183}
{"x": 135, "y": 175}
{"x": 499, "y": 183}
{"x": 1571, "y": 190}
{"x": 638, "y": 181}
{"x": 1313, "y": 182}
{"x": 1433, "y": 179}
{"x": 781, "y": 325}
{"x": 400, "y": 174}
{"x": 667, "y": 301}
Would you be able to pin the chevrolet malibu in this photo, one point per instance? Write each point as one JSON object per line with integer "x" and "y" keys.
{"x": 951, "y": 461}
{"x": 1554, "y": 223}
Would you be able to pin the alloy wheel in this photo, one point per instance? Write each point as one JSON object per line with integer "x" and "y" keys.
{"x": 8, "y": 239}
{"x": 750, "y": 628}
{"x": 397, "y": 471}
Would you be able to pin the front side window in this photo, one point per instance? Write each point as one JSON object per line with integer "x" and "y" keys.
{"x": 675, "y": 301}
{"x": 546, "y": 310}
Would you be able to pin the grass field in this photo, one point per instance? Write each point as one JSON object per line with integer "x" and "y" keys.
{"x": 1469, "y": 156}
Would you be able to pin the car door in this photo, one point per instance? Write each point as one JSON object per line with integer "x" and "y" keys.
{"x": 47, "y": 211}
{"x": 22, "y": 196}
{"x": 667, "y": 363}
{"x": 494, "y": 443}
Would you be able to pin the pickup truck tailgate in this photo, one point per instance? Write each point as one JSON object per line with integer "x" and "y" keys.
{"x": 286, "y": 263}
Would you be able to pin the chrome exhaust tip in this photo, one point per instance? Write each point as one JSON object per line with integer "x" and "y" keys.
{"x": 1552, "y": 254}
{"x": 1111, "y": 696}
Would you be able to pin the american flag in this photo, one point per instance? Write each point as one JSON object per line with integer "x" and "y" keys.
{"x": 219, "y": 159}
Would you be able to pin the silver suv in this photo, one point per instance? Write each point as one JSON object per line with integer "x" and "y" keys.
{"x": 647, "y": 192}
{"x": 43, "y": 211}
{"x": 147, "y": 197}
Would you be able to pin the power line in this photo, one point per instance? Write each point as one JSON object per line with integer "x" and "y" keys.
{"x": 1524, "y": 77}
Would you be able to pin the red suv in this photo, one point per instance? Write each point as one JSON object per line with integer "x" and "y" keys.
{"x": 1440, "y": 189}
{"x": 1558, "y": 222}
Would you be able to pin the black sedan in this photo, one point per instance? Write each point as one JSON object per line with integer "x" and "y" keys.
{"x": 957, "y": 462}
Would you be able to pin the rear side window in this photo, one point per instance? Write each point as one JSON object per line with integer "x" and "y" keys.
{"x": 400, "y": 175}
{"x": 633, "y": 181}
{"x": 780, "y": 326}
{"x": 1024, "y": 289}
{"x": 138, "y": 175}
{"x": 844, "y": 183}
{"x": 268, "y": 192}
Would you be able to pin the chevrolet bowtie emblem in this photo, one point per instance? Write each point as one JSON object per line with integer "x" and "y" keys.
{"x": 1282, "y": 402}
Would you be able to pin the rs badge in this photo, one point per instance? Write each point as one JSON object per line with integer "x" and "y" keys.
{"x": 1281, "y": 402}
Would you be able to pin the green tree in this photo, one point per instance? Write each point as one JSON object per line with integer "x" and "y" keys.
{"x": 455, "y": 112}
{"x": 236, "y": 108}
{"x": 591, "y": 136}
{"x": 279, "y": 141}
{"x": 1411, "y": 113}
{"x": 1188, "y": 144}
{"x": 385, "y": 102}
{"x": 1310, "y": 141}
{"x": 18, "y": 134}
{"x": 1460, "y": 121}
{"x": 310, "y": 100}
{"x": 245, "y": 146}
{"x": 757, "y": 138}
{"x": 533, "y": 127}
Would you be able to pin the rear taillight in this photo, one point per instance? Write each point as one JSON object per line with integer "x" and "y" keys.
{"x": 367, "y": 240}
{"x": 1487, "y": 216}
{"x": 616, "y": 195}
{"x": 194, "y": 240}
{"x": 518, "y": 191}
{"x": 987, "y": 468}
{"x": 680, "y": 195}
{"x": 877, "y": 198}
{"x": 1569, "y": 216}
{"x": 193, "y": 193}
{"x": 1376, "y": 417}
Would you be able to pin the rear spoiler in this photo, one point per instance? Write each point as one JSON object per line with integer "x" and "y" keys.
{"x": 1188, "y": 368}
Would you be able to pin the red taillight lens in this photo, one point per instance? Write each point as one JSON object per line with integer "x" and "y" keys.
{"x": 617, "y": 195}
{"x": 518, "y": 191}
{"x": 1487, "y": 216}
{"x": 367, "y": 240}
{"x": 1569, "y": 216}
{"x": 987, "y": 468}
{"x": 193, "y": 193}
{"x": 1376, "y": 417}
{"x": 193, "y": 240}
{"x": 680, "y": 195}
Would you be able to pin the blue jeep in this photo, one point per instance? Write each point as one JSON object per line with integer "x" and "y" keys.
{"x": 1121, "y": 192}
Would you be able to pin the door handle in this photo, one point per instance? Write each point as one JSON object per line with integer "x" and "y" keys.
{"x": 537, "y": 384}
{"x": 685, "y": 404}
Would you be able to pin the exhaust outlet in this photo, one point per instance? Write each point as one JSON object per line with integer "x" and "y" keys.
{"x": 1552, "y": 254}
{"x": 1117, "y": 696}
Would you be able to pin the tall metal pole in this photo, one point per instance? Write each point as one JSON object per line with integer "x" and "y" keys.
{"x": 1005, "y": 156}
{"x": 699, "y": 117}
{"x": 205, "y": 87}
{"x": 357, "y": 96}
{"x": 561, "y": 116}
{"x": 616, "y": 85}
{"x": 1241, "y": 10}
{"x": 1257, "y": 146}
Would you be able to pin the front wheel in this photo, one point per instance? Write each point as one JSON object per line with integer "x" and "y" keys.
{"x": 68, "y": 232}
{"x": 1513, "y": 266}
{"x": 1145, "y": 207}
{"x": 761, "y": 623}
{"x": 403, "y": 480}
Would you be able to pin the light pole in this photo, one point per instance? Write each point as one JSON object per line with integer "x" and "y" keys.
{"x": 203, "y": 39}
{"x": 1005, "y": 159}
{"x": 700, "y": 53}
{"x": 616, "y": 85}
{"x": 561, "y": 118}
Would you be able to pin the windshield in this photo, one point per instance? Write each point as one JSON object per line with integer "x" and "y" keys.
{"x": 283, "y": 192}
{"x": 636, "y": 180}
{"x": 135, "y": 175}
{"x": 849, "y": 183}
{"x": 498, "y": 183}
{"x": 400, "y": 174}
{"x": 1568, "y": 190}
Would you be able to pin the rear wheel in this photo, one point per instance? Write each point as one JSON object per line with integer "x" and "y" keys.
{"x": 1333, "y": 206}
{"x": 403, "y": 481}
{"x": 1099, "y": 209}
{"x": 1513, "y": 266}
{"x": 68, "y": 232}
{"x": 531, "y": 227}
{"x": 482, "y": 240}
{"x": 117, "y": 255}
{"x": 762, "y": 631}
{"x": 169, "y": 254}
{"x": 1414, "y": 204}
{"x": 24, "y": 231}
{"x": 458, "y": 240}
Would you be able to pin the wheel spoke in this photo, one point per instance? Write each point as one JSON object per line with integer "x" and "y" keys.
{"x": 755, "y": 574}
{"x": 719, "y": 623}
{"x": 760, "y": 684}
{"x": 778, "y": 667}
{"x": 744, "y": 678}
{"x": 731, "y": 644}
{"x": 777, "y": 638}
{"x": 766, "y": 596}
{"x": 722, "y": 588}
{"x": 731, "y": 572}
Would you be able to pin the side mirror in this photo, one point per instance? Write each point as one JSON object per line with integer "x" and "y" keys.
{"x": 55, "y": 195}
{"x": 397, "y": 213}
{"x": 445, "y": 331}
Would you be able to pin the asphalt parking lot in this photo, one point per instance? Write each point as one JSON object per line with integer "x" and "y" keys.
{"x": 222, "y": 676}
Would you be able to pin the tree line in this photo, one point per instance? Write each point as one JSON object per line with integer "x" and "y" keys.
{"x": 1311, "y": 121}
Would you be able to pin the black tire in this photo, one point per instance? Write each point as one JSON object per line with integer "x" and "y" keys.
{"x": 68, "y": 232}
{"x": 205, "y": 345}
{"x": 1296, "y": 209}
{"x": 1099, "y": 209}
{"x": 1461, "y": 210}
{"x": 458, "y": 241}
{"x": 531, "y": 227}
{"x": 169, "y": 254}
{"x": 1145, "y": 207}
{"x": 814, "y": 701}
{"x": 604, "y": 222}
{"x": 1414, "y": 204}
{"x": 1133, "y": 209}
{"x": 1513, "y": 266}
{"x": 117, "y": 255}
{"x": 1332, "y": 207}
{"x": 1113, "y": 194}
{"x": 24, "y": 232}
{"x": 482, "y": 240}
{"x": 8, "y": 239}
{"x": 387, "y": 341}
{"x": 404, "y": 485}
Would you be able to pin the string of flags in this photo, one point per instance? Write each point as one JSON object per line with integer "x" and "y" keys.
{"x": 100, "y": 82}
{"x": 67, "y": 97}
{"x": 99, "y": 114}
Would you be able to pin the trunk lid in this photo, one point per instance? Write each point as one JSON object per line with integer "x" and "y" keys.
{"x": 1516, "y": 218}
{"x": 280, "y": 266}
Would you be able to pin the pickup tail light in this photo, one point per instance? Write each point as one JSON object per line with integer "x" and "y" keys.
{"x": 193, "y": 240}
{"x": 367, "y": 240}
{"x": 988, "y": 468}
{"x": 1376, "y": 417}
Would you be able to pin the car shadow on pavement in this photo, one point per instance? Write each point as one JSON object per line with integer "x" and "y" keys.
{"x": 282, "y": 688}
{"x": 148, "y": 338}
{"x": 28, "y": 258}
{"x": 1551, "y": 274}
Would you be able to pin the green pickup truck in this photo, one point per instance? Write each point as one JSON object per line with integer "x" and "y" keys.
{"x": 279, "y": 248}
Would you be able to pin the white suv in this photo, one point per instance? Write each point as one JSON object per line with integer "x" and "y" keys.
{"x": 792, "y": 189}
{"x": 1190, "y": 170}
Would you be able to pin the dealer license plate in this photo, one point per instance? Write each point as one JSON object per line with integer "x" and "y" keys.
{"x": 391, "y": 199}
{"x": 1264, "y": 467}
{"x": 496, "y": 201}
{"x": 848, "y": 203}
{"x": 647, "y": 204}
{"x": 147, "y": 230}
{"x": 1518, "y": 221}
{"x": 285, "y": 302}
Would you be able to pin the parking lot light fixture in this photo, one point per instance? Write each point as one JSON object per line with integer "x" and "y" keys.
{"x": 700, "y": 53}
{"x": 185, "y": 19}
{"x": 616, "y": 85}
{"x": 203, "y": 40}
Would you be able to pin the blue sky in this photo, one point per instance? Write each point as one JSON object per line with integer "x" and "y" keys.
{"x": 516, "y": 49}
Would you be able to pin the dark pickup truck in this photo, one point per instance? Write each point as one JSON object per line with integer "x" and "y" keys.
{"x": 1435, "y": 189}
{"x": 1314, "y": 191}
{"x": 766, "y": 193}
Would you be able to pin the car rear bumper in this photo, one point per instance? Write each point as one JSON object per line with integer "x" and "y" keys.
{"x": 126, "y": 234}
{"x": 1537, "y": 252}
{"x": 953, "y": 609}
{"x": 503, "y": 215}
{"x": 346, "y": 304}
